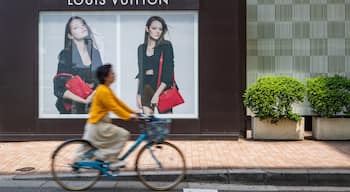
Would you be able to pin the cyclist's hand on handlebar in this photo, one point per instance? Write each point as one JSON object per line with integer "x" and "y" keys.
{"x": 134, "y": 116}
{"x": 140, "y": 116}
{"x": 143, "y": 116}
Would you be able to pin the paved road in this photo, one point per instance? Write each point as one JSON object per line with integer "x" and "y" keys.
{"x": 10, "y": 185}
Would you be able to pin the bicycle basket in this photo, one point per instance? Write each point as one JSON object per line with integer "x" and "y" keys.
{"x": 158, "y": 130}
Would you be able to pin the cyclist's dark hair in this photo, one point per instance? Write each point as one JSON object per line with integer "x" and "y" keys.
{"x": 102, "y": 72}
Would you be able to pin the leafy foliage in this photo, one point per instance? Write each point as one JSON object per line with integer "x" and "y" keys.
{"x": 272, "y": 97}
{"x": 329, "y": 96}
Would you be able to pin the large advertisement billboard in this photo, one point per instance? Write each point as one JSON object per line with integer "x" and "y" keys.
{"x": 76, "y": 43}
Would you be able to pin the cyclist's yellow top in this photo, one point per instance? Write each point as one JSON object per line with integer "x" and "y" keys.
{"x": 105, "y": 101}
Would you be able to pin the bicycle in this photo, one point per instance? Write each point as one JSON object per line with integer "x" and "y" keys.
{"x": 149, "y": 163}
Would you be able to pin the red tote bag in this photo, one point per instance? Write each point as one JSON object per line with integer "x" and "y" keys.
{"x": 170, "y": 97}
{"x": 77, "y": 86}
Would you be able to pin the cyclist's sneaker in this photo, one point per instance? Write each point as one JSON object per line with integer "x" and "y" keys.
{"x": 117, "y": 165}
{"x": 99, "y": 156}
{"x": 114, "y": 173}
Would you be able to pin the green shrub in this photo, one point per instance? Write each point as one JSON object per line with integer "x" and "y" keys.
{"x": 272, "y": 97}
{"x": 329, "y": 96}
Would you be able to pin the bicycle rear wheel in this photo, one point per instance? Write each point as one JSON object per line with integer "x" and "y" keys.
{"x": 160, "y": 166}
{"x": 66, "y": 174}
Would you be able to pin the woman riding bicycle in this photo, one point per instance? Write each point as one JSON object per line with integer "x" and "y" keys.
{"x": 107, "y": 137}
{"x": 79, "y": 158}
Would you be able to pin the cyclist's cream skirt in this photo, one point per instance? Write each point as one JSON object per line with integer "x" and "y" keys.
{"x": 107, "y": 137}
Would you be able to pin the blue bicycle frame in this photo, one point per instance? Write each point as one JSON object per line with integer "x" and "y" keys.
{"x": 103, "y": 166}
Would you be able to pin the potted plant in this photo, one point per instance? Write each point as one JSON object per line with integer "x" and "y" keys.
{"x": 330, "y": 99}
{"x": 270, "y": 99}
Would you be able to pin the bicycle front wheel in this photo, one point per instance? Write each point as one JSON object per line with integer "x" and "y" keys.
{"x": 64, "y": 170}
{"x": 160, "y": 166}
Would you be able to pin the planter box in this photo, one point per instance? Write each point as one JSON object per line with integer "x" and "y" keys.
{"x": 331, "y": 128}
{"x": 284, "y": 129}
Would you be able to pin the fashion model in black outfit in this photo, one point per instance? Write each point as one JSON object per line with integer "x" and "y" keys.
{"x": 82, "y": 61}
{"x": 149, "y": 55}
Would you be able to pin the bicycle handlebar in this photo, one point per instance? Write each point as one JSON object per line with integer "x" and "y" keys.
{"x": 151, "y": 118}
{"x": 144, "y": 117}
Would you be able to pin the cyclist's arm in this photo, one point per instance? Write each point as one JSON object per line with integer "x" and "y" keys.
{"x": 112, "y": 103}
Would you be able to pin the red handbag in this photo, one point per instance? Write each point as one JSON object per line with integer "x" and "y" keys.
{"x": 77, "y": 86}
{"x": 170, "y": 97}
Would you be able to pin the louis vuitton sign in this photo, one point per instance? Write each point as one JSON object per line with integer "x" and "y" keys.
{"x": 119, "y": 4}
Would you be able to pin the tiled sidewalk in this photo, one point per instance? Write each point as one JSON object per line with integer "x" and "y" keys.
{"x": 203, "y": 154}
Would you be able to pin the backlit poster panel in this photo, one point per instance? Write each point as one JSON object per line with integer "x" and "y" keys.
{"x": 74, "y": 43}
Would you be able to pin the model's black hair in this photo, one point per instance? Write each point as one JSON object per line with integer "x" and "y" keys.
{"x": 164, "y": 26}
{"x": 102, "y": 72}
{"x": 90, "y": 39}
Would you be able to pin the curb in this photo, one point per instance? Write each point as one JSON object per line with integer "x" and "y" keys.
{"x": 285, "y": 177}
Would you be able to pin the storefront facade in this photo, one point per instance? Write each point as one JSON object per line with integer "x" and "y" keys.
{"x": 298, "y": 38}
{"x": 209, "y": 41}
